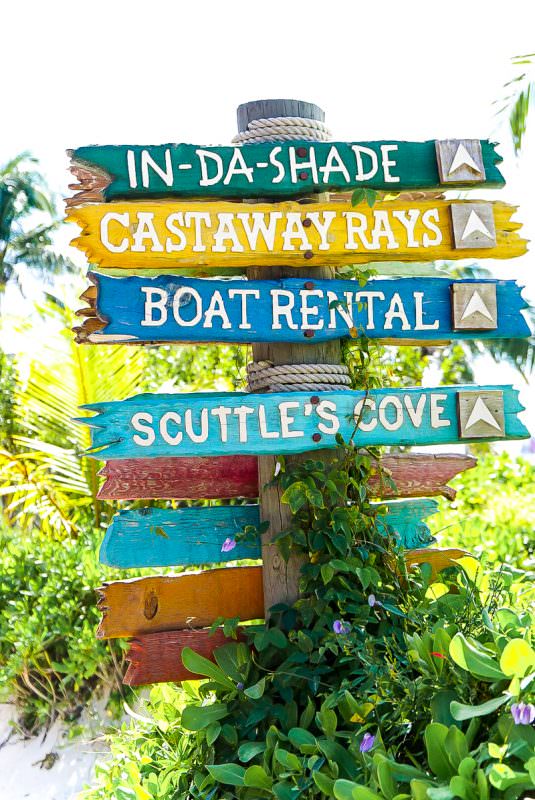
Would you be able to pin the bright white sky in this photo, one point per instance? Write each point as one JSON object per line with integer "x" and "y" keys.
{"x": 110, "y": 72}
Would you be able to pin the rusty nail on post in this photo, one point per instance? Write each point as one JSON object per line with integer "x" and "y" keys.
{"x": 303, "y": 176}
{"x": 308, "y": 334}
{"x": 314, "y": 400}
{"x": 309, "y": 254}
{"x": 307, "y": 222}
{"x": 316, "y": 437}
{"x": 308, "y": 285}
{"x": 302, "y": 152}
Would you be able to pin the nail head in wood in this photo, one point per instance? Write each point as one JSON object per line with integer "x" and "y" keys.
{"x": 473, "y": 226}
{"x": 151, "y": 605}
{"x": 307, "y": 222}
{"x": 308, "y": 334}
{"x": 309, "y": 254}
{"x": 309, "y": 284}
{"x": 460, "y": 161}
{"x": 481, "y": 414}
{"x": 474, "y": 306}
{"x": 302, "y": 152}
{"x": 316, "y": 437}
{"x": 314, "y": 400}
{"x": 303, "y": 176}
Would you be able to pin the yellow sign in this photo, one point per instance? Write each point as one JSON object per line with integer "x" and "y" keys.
{"x": 168, "y": 235}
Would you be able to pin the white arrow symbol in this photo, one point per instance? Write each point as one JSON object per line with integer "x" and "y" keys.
{"x": 462, "y": 158}
{"x": 476, "y": 225}
{"x": 480, "y": 413}
{"x": 476, "y": 305}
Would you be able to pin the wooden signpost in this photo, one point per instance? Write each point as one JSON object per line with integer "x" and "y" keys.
{"x": 397, "y": 475}
{"x": 170, "y": 235}
{"x": 151, "y": 211}
{"x": 236, "y": 423}
{"x": 285, "y": 169}
{"x": 158, "y": 537}
{"x": 138, "y": 310}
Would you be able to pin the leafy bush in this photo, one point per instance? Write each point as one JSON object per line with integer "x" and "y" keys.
{"x": 377, "y": 683}
{"x": 493, "y": 515}
{"x": 50, "y": 660}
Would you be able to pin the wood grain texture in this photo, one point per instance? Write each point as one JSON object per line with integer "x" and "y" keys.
{"x": 196, "y": 599}
{"x": 223, "y": 423}
{"x": 166, "y": 537}
{"x": 180, "y": 478}
{"x": 397, "y": 475}
{"x": 281, "y": 169}
{"x": 157, "y": 657}
{"x": 158, "y": 236}
{"x": 168, "y": 308}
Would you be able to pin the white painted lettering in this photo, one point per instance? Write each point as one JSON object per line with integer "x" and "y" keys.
{"x": 368, "y": 298}
{"x": 138, "y": 423}
{"x": 360, "y": 151}
{"x": 437, "y": 410}
{"x": 326, "y": 410}
{"x": 334, "y": 163}
{"x": 262, "y": 423}
{"x": 188, "y": 424}
{"x": 170, "y": 416}
{"x": 429, "y": 217}
{"x": 356, "y": 223}
{"x": 217, "y": 161}
{"x": 395, "y": 402}
{"x": 322, "y": 227}
{"x": 259, "y": 227}
{"x": 359, "y": 414}
{"x": 279, "y": 310}
{"x": 386, "y": 149}
{"x": 177, "y": 305}
{"x": 145, "y": 230}
{"x": 216, "y": 308}
{"x": 420, "y": 325}
{"x": 244, "y": 325}
{"x": 287, "y": 420}
{"x": 150, "y": 304}
{"x": 397, "y": 311}
{"x": 238, "y": 166}
{"x": 122, "y": 219}
{"x": 226, "y": 230}
{"x": 165, "y": 174}
{"x": 294, "y": 230}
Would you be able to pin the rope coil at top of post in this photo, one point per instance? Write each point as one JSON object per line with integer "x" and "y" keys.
{"x": 283, "y": 129}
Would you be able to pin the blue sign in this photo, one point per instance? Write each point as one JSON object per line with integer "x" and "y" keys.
{"x": 231, "y": 423}
{"x": 173, "y": 309}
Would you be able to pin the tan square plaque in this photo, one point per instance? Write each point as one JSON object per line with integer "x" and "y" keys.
{"x": 473, "y": 225}
{"x": 474, "y": 306}
{"x": 481, "y": 414}
{"x": 460, "y": 161}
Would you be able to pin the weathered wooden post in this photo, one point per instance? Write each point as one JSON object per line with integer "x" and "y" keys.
{"x": 281, "y": 579}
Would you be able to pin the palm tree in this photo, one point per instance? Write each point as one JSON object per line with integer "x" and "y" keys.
{"x": 518, "y": 98}
{"x": 23, "y": 192}
{"x": 45, "y": 482}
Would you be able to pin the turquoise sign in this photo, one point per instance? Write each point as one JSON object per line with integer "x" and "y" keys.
{"x": 223, "y": 423}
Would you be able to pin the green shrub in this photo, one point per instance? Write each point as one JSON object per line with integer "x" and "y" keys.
{"x": 493, "y": 514}
{"x": 376, "y": 684}
{"x": 50, "y": 660}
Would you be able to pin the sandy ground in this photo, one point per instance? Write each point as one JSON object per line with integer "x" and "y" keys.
{"x": 28, "y": 771}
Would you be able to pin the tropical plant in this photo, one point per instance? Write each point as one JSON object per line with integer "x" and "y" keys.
{"x": 23, "y": 194}
{"x": 518, "y": 98}
{"x": 46, "y": 483}
{"x": 377, "y": 683}
{"x": 50, "y": 659}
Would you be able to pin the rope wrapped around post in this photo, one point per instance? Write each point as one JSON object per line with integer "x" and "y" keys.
{"x": 283, "y": 129}
{"x": 263, "y": 376}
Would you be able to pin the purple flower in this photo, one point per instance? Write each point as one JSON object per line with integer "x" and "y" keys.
{"x": 523, "y": 713}
{"x": 373, "y": 602}
{"x": 341, "y": 627}
{"x": 228, "y": 545}
{"x": 239, "y": 686}
{"x": 368, "y": 741}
